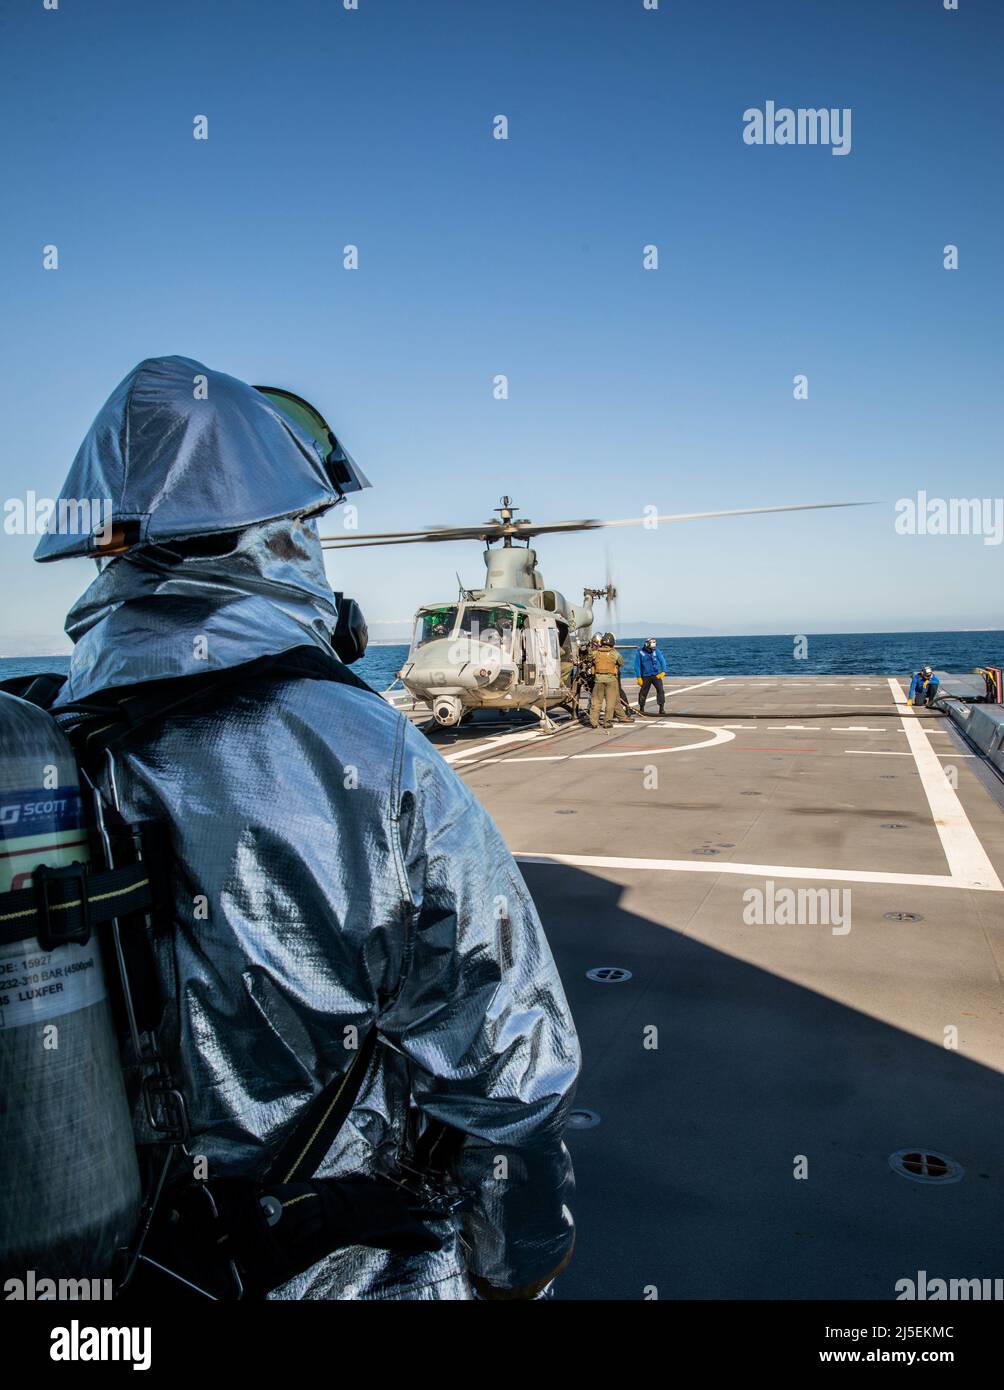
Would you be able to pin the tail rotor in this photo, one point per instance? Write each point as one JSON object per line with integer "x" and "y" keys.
{"x": 613, "y": 611}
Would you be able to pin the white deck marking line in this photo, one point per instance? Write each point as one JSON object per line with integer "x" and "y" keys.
{"x": 718, "y": 735}
{"x": 884, "y": 753}
{"x": 463, "y": 753}
{"x": 818, "y": 728}
{"x": 967, "y": 859}
{"x": 680, "y": 689}
{"x": 879, "y": 752}
{"x": 599, "y": 861}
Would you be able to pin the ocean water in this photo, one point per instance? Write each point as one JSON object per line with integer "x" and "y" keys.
{"x": 851, "y": 654}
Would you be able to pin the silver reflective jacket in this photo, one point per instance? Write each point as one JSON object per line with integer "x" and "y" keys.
{"x": 332, "y": 873}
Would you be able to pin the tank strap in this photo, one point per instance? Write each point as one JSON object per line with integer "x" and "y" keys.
{"x": 63, "y": 905}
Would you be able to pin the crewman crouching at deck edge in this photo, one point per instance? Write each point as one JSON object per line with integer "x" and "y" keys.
{"x": 357, "y": 890}
{"x": 924, "y": 687}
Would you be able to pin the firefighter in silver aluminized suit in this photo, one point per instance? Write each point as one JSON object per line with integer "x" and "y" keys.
{"x": 352, "y": 879}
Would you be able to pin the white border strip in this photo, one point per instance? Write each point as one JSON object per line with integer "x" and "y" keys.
{"x": 472, "y": 750}
{"x": 967, "y": 859}
{"x": 681, "y": 689}
{"x": 599, "y": 861}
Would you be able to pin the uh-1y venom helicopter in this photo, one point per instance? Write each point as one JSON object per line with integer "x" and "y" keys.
{"x": 505, "y": 646}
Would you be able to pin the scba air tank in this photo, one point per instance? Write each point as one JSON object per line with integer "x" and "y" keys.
{"x": 69, "y": 1178}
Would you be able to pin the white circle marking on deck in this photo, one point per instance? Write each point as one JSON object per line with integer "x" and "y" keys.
{"x": 718, "y": 735}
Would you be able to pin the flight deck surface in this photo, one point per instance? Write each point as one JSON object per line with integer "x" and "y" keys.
{"x": 744, "y": 1089}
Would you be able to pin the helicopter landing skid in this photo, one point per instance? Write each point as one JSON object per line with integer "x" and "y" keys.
{"x": 546, "y": 722}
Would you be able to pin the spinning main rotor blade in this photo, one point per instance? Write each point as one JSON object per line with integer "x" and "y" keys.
{"x": 524, "y": 530}
{"x": 487, "y": 531}
{"x": 733, "y": 511}
{"x": 429, "y": 533}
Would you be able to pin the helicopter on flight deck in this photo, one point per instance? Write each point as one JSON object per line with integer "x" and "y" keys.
{"x": 506, "y": 646}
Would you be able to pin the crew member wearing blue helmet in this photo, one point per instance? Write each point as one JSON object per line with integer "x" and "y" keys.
{"x": 650, "y": 671}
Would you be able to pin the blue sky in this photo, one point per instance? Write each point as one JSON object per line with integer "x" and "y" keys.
{"x": 523, "y": 257}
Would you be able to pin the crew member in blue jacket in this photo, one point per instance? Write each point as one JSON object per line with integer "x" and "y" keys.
{"x": 650, "y": 670}
{"x": 924, "y": 687}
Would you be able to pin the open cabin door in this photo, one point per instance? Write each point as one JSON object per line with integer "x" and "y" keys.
{"x": 548, "y": 653}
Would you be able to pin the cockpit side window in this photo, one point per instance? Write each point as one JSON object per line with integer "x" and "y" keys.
{"x": 484, "y": 624}
{"x": 433, "y": 623}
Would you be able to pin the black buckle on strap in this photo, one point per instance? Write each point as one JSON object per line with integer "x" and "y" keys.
{"x": 55, "y": 931}
{"x": 165, "y": 1107}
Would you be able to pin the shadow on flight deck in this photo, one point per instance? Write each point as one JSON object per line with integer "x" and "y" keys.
{"x": 687, "y": 1183}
